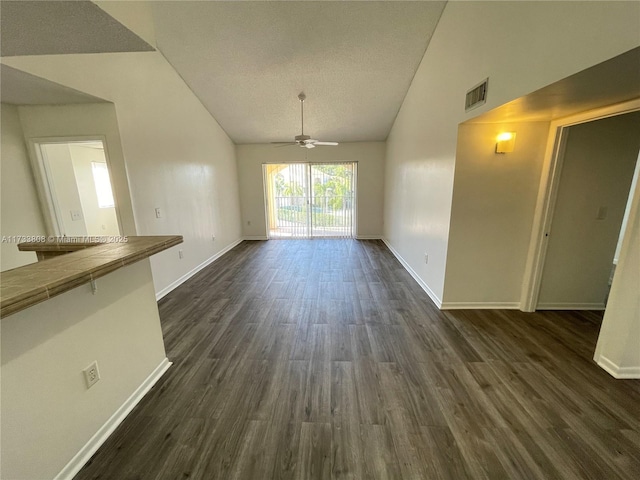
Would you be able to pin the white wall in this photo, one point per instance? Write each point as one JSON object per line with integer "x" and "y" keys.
{"x": 627, "y": 211}
{"x": 521, "y": 47}
{"x": 48, "y": 414}
{"x": 491, "y": 219}
{"x": 98, "y": 221}
{"x": 617, "y": 349}
{"x": 370, "y": 186}
{"x": 65, "y": 185}
{"x": 597, "y": 170}
{"x": 178, "y": 158}
{"x": 19, "y": 203}
{"x": 86, "y": 120}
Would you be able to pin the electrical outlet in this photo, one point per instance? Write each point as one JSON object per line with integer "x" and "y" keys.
{"x": 180, "y": 254}
{"x": 91, "y": 374}
{"x": 76, "y": 215}
{"x": 426, "y": 258}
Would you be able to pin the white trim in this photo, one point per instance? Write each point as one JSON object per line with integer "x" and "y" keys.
{"x": 369, "y": 237}
{"x": 618, "y": 372}
{"x": 571, "y": 306}
{"x": 192, "y": 272}
{"x": 415, "y": 276}
{"x": 547, "y": 193}
{"x": 255, "y": 237}
{"x": 85, "y": 453}
{"x": 480, "y": 306}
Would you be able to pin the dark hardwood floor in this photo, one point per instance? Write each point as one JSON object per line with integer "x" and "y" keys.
{"x": 323, "y": 359}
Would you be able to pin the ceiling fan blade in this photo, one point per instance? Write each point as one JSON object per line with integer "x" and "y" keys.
{"x": 283, "y": 143}
{"x": 326, "y": 143}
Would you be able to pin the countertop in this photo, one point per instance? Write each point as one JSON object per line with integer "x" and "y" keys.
{"x": 25, "y": 286}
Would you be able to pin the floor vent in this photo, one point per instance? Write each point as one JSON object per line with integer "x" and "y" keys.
{"x": 476, "y": 96}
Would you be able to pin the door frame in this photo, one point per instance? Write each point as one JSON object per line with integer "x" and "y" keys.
{"x": 548, "y": 193}
{"x": 46, "y": 192}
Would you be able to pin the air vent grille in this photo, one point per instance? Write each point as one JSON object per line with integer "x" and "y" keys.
{"x": 476, "y": 96}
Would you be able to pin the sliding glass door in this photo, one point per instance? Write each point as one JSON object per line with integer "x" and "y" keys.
{"x": 287, "y": 191}
{"x": 310, "y": 200}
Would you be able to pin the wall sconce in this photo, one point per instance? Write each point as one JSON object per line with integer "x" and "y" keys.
{"x": 505, "y": 142}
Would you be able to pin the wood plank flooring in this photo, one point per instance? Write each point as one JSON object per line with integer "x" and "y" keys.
{"x": 323, "y": 359}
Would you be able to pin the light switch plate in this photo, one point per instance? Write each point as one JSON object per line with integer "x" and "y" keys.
{"x": 602, "y": 213}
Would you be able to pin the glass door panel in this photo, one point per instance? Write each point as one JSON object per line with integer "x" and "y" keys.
{"x": 310, "y": 200}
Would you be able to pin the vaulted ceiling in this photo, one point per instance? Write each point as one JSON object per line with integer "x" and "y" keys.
{"x": 248, "y": 61}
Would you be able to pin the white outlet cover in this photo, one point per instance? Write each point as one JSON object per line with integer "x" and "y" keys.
{"x": 91, "y": 374}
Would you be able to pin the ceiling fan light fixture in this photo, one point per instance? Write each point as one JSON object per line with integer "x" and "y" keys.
{"x": 303, "y": 140}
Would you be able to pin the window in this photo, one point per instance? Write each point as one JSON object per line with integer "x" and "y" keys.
{"x": 103, "y": 184}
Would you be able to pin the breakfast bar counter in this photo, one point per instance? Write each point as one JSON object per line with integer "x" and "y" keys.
{"x": 25, "y": 286}
{"x": 91, "y": 310}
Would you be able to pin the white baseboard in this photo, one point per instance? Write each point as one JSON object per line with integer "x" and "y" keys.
{"x": 415, "y": 276}
{"x": 82, "y": 457}
{"x": 618, "y": 372}
{"x": 369, "y": 237}
{"x": 570, "y": 306}
{"x": 192, "y": 272}
{"x": 480, "y": 305}
{"x": 255, "y": 237}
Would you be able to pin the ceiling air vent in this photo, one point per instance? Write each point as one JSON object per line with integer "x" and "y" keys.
{"x": 476, "y": 96}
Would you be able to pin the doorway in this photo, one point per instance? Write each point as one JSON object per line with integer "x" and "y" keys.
{"x": 308, "y": 200}
{"x": 76, "y": 188}
{"x": 590, "y": 187}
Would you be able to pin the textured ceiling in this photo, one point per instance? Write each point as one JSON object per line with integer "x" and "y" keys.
{"x": 247, "y": 62}
{"x": 20, "y": 88}
{"x": 59, "y": 27}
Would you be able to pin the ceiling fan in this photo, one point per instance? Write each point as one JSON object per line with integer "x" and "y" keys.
{"x": 302, "y": 140}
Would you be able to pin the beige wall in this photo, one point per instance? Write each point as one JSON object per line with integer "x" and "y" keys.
{"x": 20, "y": 213}
{"x": 597, "y": 170}
{"x": 178, "y": 158}
{"x": 370, "y": 186}
{"x": 98, "y": 221}
{"x": 87, "y": 120}
{"x": 521, "y": 47}
{"x": 48, "y": 414}
{"x": 65, "y": 186}
{"x": 494, "y": 200}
